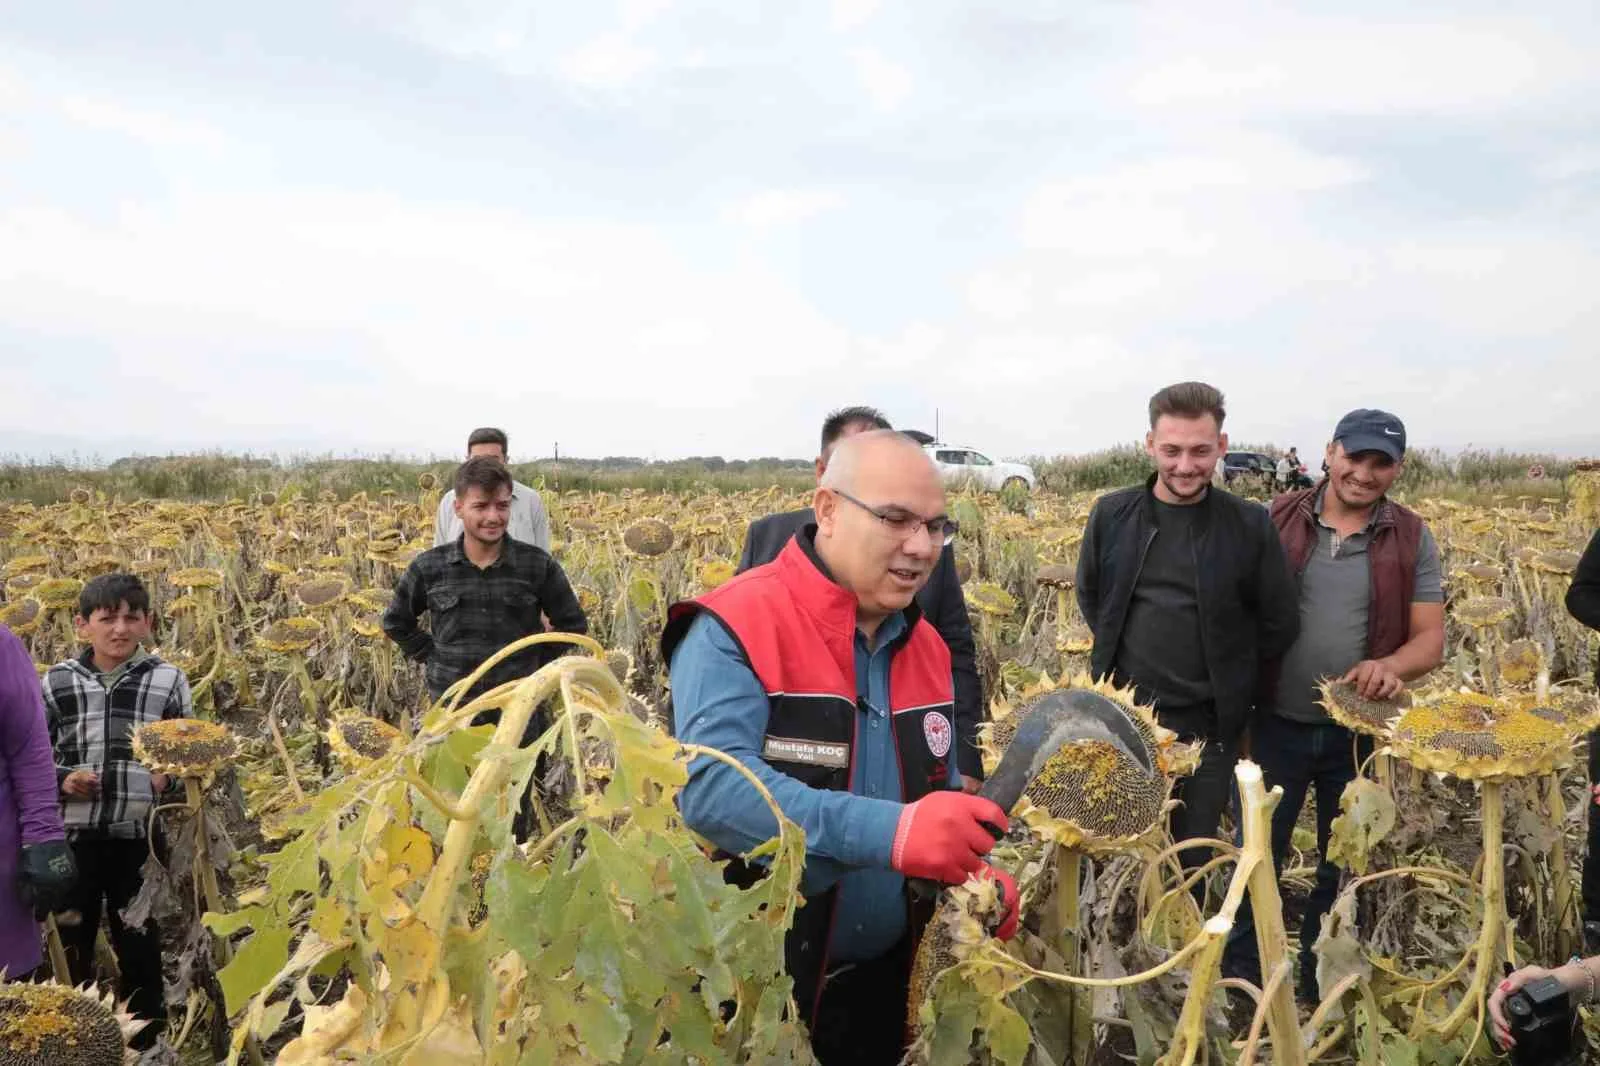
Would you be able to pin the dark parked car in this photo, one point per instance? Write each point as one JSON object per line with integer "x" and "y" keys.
{"x": 1250, "y": 465}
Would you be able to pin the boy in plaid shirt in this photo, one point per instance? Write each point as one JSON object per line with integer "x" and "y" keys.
{"x": 94, "y": 704}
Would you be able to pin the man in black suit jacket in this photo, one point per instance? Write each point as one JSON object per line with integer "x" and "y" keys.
{"x": 941, "y": 599}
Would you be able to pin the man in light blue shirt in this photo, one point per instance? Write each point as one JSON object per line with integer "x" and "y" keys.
{"x": 818, "y": 673}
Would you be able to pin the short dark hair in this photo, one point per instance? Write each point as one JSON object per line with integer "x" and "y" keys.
{"x": 837, "y": 422}
{"x": 489, "y": 435}
{"x": 110, "y": 591}
{"x": 484, "y": 472}
{"x": 1187, "y": 399}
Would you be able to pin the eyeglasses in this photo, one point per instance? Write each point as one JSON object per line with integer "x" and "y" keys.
{"x": 942, "y": 529}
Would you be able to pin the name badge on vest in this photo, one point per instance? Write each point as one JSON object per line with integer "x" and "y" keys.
{"x": 810, "y": 752}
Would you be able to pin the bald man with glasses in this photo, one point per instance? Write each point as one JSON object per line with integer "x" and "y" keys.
{"x": 943, "y": 603}
{"x": 818, "y": 672}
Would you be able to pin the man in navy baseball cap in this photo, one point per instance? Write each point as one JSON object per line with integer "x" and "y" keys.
{"x": 1370, "y": 430}
{"x": 1371, "y": 616}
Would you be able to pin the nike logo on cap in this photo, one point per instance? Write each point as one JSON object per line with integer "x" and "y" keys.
{"x": 1390, "y": 433}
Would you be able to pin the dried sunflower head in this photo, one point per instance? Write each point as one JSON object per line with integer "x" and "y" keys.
{"x": 990, "y": 599}
{"x": 22, "y": 616}
{"x": 1559, "y": 561}
{"x": 621, "y": 664}
{"x": 427, "y": 481}
{"x": 322, "y": 591}
{"x": 291, "y": 634}
{"x": 55, "y": 1025}
{"x": 716, "y": 572}
{"x": 58, "y": 593}
{"x": 359, "y": 738}
{"x": 1092, "y": 794}
{"x": 1484, "y": 572}
{"x": 1521, "y": 662}
{"x": 184, "y": 747}
{"x": 648, "y": 537}
{"x": 1480, "y": 612}
{"x": 197, "y": 578}
{"x": 1353, "y": 711}
{"x": 1054, "y": 576}
{"x": 1475, "y": 737}
{"x": 25, "y": 564}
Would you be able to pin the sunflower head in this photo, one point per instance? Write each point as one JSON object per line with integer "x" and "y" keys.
{"x": 648, "y": 537}
{"x": 990, "y": 599}
{"x": 716, "y": 572}
{"x": 356, "y": 739}
{"x": 1355, "y": 712}
{"x": 22, "y": 616}
{"x": 25, "y": 564}
{"x": 1092, "y": 794}
{"x": 1475, "y": 737}
{"x": 1481, "y": 612}
{"x": 1559, "y": 561}
{"x": 291, "y": 635}
{"x": 184, "y": 747}
{"x": 322, "y": 592}
{"x": 197, "y": 578}
{"x": 55, "y": 1025}
{"x": 58, "y": 593}
{"x": 1521, "y": 662}
{"x": 1054, "y": 576}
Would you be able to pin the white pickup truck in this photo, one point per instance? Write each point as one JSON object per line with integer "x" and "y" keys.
{"x": 960, "y": 465}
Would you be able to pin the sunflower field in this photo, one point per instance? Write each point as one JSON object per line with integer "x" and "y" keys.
{"x": 344, "y": 883}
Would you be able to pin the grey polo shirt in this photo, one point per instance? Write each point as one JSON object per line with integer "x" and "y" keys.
{"x": 1335, "y": 590}
{"x": 528, "y": 523}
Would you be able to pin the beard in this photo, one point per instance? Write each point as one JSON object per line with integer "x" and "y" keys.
{"x": 1178, "y": 490}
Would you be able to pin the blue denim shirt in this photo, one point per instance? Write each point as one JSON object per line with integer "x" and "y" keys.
{"x": 718, "y": 701}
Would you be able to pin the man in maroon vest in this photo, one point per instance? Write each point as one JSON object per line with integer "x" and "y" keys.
{"x": 818, "y": 672}
{"x": 1371, "y": 613}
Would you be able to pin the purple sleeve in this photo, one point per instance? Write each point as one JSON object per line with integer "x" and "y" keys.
{"x": 25, "y": 745}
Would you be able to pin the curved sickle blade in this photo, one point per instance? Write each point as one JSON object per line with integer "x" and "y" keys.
{"x": 1052, "y": 721}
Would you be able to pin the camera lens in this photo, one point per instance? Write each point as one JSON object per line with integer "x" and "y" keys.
{"x": 1520, "y": 1006}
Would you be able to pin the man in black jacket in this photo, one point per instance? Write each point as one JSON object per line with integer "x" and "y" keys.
{"x": 942, "y": 602}
{"x": 1583, "y": 603}
{"x": 1187, "y": 591}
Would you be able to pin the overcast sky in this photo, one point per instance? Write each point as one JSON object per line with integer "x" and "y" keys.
{"x": 664, "y": 227}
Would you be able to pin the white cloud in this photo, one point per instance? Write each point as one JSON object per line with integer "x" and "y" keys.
{"x": 635, "y": 15}
{"x": 850, "y": 14}
{"x": 610, "y": 61}
{"x": 1576, "y": 162}
{"x": 142, "y": 124}
{"x": 1201, "y": 58}
{"x": 469, "y": 308}
{"x": 886, "y": 82}
{"x": 776, "y": 208}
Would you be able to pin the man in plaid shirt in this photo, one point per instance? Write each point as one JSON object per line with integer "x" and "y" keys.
{"x": 94, "y": 704}
{"x": 482, "y": 591}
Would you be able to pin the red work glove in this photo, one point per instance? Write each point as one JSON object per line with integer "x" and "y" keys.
{"x": 1009, "y": 899}
{"x": 944, "y": 836}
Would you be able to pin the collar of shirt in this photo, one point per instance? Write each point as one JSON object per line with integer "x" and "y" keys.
{"x": 890, "y": 629}
{"x": 458, "y": 553}
{"x": 1338, "y": 538}
{"x": 109, "y": 678}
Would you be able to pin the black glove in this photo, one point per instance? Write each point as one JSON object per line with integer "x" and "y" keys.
{"x": 45, "y": 875}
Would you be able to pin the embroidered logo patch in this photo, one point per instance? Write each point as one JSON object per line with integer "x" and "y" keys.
{"x": 936, "y": 727}
{"x": 810, "y": 752}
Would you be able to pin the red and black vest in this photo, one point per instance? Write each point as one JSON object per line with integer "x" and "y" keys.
{"x": 1391, "y": 555}
{"x": 797, "y": 628}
